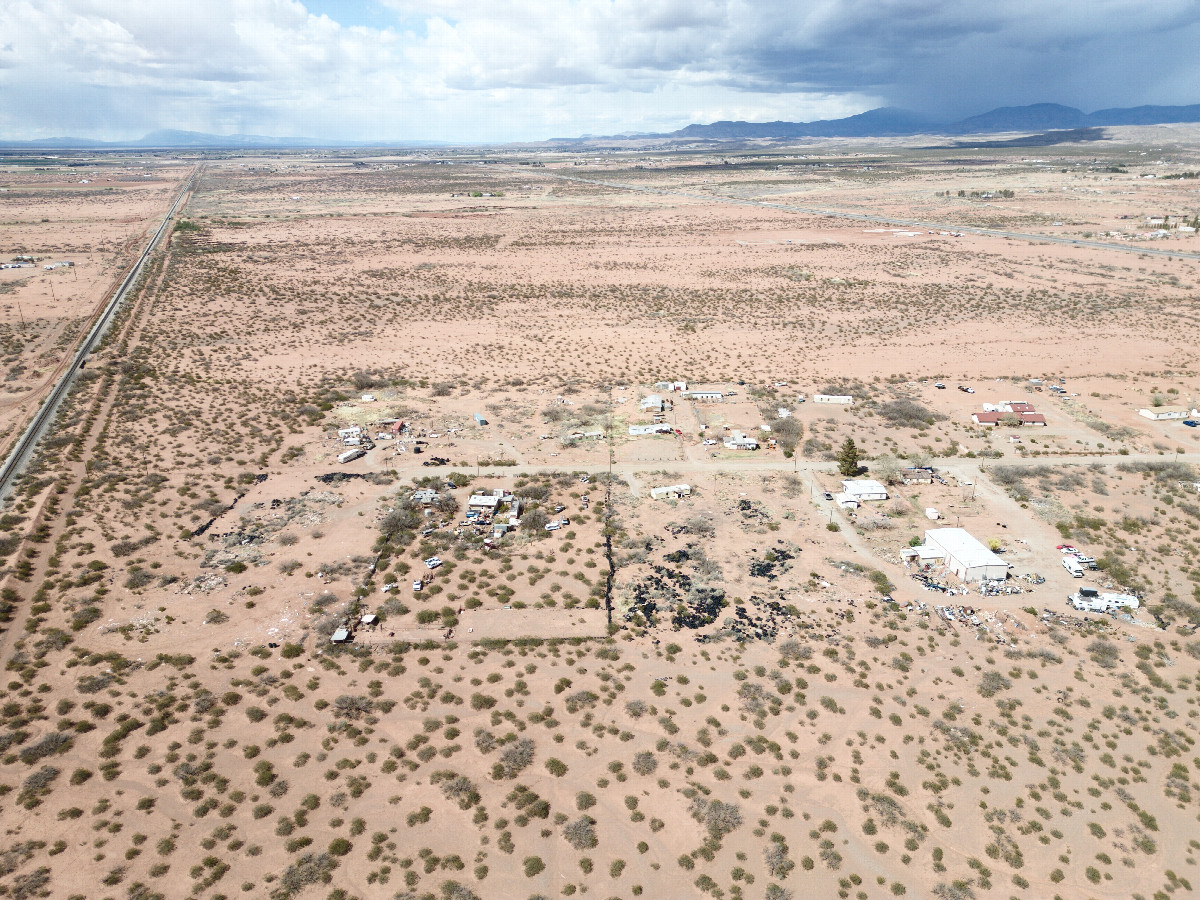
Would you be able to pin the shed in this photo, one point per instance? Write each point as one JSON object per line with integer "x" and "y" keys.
{"x": 865, "y": 489}
{"x": 340, "y": 636}
{"x": 369, "y": 619}
{"x": 965, "y": 556}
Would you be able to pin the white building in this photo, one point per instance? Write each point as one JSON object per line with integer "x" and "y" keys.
{"x": 865, "y": 489}
{"x": 638, "y": 430}
{"x": 843, "y": 399}
{"x": 1158, "y": 413}
{"x": 963, "y": 555}
{"x": 653, "y": 403}
{"x": 674, "y": 491}
{"x": 735, "y": 440}
{"x": 705, "y": 396}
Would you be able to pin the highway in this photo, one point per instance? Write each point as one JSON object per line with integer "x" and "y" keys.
{"x": 885, "y": 220}
{"x": 22, "y": 452}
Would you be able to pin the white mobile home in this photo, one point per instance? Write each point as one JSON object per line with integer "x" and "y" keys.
{"x": 674, "y": 491}
{"x": 638, "y": 430}
{"x": 737, "y": 441}
{"x": 1159, "y": 413}
{"x": 705, "y": 396}
{"x": 865, "y": 489}
{"x": 841, "y": 399}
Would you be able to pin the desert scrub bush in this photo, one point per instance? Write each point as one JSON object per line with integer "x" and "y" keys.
{"x": 1104, "y": 653}
{"x": 307, "y": 870}
{"x": 513, "y": 759}
{"x": 533, "y": 865}
{"x": 992, "y": 683}
{"x": 645, "y": 763}
{"x": 581, "y": 834}
{"x": 717, "y": 817}
{"x": 52, "y": 744}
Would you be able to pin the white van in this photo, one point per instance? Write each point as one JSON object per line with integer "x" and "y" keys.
{"x": 1073, "y": 567}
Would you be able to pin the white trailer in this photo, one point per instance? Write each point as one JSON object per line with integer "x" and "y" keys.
{"x": 351, "y": 455}
{"x": 1073, "y": 567}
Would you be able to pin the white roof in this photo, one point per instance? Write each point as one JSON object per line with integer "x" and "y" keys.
{"x": 865, "y": 486}
{"x": 959, "y": 544}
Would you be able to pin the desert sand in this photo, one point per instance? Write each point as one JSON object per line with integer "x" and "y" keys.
{"x": 747, "y": 691}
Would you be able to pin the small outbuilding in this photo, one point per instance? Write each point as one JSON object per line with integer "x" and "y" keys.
{"x": 341, "y": 636}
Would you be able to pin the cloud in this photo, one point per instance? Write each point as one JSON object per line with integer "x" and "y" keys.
{"x": 512, "y": 69}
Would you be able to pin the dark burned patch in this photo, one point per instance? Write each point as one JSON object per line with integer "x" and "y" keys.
{"x": 773, "y": 563}
{"x": 338, "y": 477}
{"x": 761, "y": 623}
{"x": 701, "y": 608}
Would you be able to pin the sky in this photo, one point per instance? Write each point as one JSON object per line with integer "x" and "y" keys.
{"x": 513, "y": 70}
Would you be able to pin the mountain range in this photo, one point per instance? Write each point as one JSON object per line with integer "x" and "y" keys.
{"x": 889, "y": 122}
{"x": 883, "y": 122}
{"x": 171, "y": 139}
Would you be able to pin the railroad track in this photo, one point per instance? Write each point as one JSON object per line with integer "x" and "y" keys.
{"x": 18, "y": 458}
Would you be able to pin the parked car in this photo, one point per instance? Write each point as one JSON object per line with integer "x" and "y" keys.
{"x": 939, "y": 385}
{"x": 828, "y": 496}
{"x": 1065, "y": 548}
{"x": 417, "y": 585}
{"x": 432, "y": 563}
{"x": 965, "y": 389}
{"x": 1191, "y": 423}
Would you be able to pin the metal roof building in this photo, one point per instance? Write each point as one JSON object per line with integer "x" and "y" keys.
{"x": 965, "y": 556}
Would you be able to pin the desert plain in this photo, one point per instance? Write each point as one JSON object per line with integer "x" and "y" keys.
{"x": 484, "y": 658}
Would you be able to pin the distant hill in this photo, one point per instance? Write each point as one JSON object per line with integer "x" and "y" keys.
{"x": 171, "y": 139}
{"x": 875, "y": 122}
{"x": 886, "y": 121}
{"x": 890, "y": 121}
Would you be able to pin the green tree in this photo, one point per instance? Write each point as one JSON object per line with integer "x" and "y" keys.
{"x": 847, "y": 458}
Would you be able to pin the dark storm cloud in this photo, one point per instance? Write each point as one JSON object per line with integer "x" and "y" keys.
{"x": 502, "y": 69}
